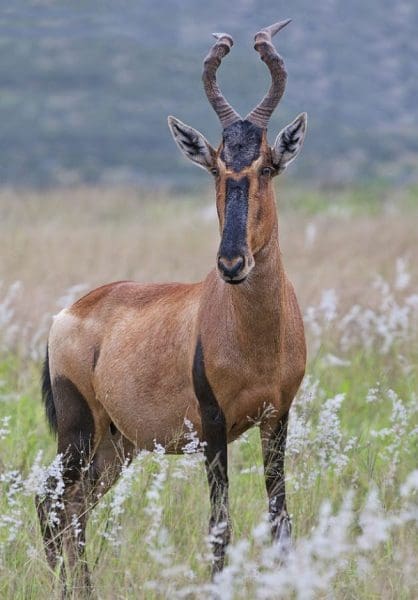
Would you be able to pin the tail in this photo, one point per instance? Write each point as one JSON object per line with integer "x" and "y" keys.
{"x": 47, "y": 396}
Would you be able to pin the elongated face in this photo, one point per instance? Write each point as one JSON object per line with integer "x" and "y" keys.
{"x": 244, "y": 200}
{"x": 243, "y": 167}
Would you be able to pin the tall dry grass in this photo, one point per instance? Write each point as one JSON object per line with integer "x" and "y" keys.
{"x": 53, "y": 240}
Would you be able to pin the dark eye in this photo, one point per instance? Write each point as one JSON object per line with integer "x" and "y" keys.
{"x": 266, "y": 171}
{"x": 214, "y": 171}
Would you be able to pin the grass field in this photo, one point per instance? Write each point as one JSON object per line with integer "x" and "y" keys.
{"x": 352, "y": 462}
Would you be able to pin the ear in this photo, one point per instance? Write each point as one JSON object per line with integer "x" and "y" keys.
{"x": 192, "y": 143}
{"x": 289, "y": 142}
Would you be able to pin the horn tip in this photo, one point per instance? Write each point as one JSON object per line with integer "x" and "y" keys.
{"x": 219, "y": 36}
{"x": 276, "y": 27}
{"x": 268, "y": 32}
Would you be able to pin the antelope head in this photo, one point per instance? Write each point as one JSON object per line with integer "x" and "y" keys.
{"x": 244, "y": 164}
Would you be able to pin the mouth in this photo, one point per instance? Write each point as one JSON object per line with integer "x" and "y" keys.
{"x": 234, "y": 281}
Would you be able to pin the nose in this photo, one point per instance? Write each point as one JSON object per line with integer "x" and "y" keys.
{"x": 230, "y": 267}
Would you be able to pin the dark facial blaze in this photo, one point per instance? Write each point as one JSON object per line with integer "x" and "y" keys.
{"x": 241, "y": 147}
{"x": 234, "y": 236}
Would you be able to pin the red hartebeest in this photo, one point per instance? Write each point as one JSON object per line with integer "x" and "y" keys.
{"x": 129, "y": 362}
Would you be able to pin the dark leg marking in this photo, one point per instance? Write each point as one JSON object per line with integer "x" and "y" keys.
{"x": 274, "y": 448}
{"x": 216, "y": 454}
{"x": 75, "y": 427}
{"x": 75, "y": 423}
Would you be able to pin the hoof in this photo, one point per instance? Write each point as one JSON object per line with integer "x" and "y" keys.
{"x": 217, "y": 567}
{"x": 282, "y": 534}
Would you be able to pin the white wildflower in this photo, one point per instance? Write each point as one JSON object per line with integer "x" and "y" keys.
{"x": 328, "y": 305}
{"x": 311, "y": 231}
{"x": 77, "y": 529}
{"x": 403, "y": 277}
{"x": 330, "y": 436}
{"x": 330, "y": 360}
{"x": 12, "y": 520}
{"x": 193, "y": 453}
{"x": 410, "y": 485}
{"x": 373, "y": 523}
{"x": 4, "y": 427}
{"x": 121, "y": 492}
{"x": 373, "y": 394}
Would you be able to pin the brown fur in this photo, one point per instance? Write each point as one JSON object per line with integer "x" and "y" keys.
{"x": 145, "y": 335}
{"x": 128, "y": 350}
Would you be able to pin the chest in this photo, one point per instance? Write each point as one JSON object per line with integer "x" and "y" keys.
{"x": 245, "y": 386}
{"x": 249, "y": 406}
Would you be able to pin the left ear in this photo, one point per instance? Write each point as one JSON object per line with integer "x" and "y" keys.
{"x": 192, "y": 143}
{"x": 289, "y": 142}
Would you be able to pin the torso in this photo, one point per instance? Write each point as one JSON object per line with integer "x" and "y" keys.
{"x": 138, "y": 366}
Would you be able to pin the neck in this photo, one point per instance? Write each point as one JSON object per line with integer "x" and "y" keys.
{"x": 250, "y": 311}
{"x": 257, "y": 301}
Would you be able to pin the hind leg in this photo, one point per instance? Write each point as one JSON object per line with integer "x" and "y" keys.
{"x": 51, "y": 534}
{"x": 64, "y": 520}
{"x": 111, "y": 454}
{"x": 62, "y": 508}
{"x": 62, "y": 511}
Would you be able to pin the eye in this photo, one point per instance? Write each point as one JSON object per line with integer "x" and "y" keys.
{"x": 266, "y": 171}
{"x": 214, "y": 171}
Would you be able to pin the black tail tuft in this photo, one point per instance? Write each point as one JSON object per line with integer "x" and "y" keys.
{"x": 47, "y": 397}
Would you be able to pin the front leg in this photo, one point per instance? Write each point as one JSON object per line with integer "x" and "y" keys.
{"x": 273, "y": 440}
{"x": 216, "y": 455}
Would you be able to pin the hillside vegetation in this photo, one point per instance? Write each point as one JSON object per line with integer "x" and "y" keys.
{"x": 86, "y": 87}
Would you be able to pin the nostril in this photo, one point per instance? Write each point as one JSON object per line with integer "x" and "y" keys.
{"x": 231, "y": 267}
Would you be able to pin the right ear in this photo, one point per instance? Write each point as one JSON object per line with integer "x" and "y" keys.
{"x": 193, "y": 144}
{"x": 289, "y": 142}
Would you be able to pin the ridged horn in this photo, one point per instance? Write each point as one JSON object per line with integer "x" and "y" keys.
{"x": 227, "y": 115}
{"x": 261, "y": 114}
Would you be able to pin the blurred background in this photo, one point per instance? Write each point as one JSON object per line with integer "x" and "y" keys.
{"x": 86, "y": 87}
{"x": 93, "y": 188}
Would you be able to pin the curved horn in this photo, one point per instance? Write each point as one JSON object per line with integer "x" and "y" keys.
{"x": 261, "y": 114}
{"x": 227, "y": 115}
